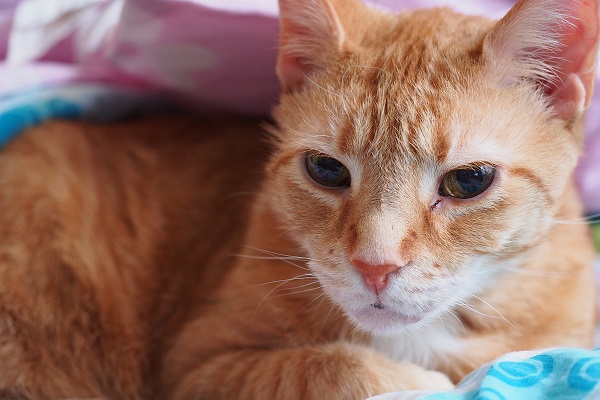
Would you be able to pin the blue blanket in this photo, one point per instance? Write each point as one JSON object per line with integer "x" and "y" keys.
{"x": 556, "y": 374}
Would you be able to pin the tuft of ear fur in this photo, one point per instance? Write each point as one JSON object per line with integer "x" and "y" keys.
{"x": 552, "y": 44}
{"x": 311, "y": 32}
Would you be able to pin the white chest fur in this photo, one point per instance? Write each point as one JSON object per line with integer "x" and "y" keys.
{"x": 428, "y": 345}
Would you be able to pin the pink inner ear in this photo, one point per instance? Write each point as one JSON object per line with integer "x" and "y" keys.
{"x": 292, "y": 68}
{"x": 310, "y": 32}
{"x": 575, "y": 61}
{"x": 568, "y": 100}
{"x": 291, "y": 72}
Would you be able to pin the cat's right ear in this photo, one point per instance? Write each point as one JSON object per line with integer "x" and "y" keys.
{"x": 311, "y": 32}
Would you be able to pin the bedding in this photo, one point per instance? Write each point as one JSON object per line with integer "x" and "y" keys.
{"x": 105, "y": 60}
{"x": 557, "y": 374}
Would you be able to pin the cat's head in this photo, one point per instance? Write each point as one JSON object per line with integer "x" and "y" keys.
{"x": 418, "y": 154}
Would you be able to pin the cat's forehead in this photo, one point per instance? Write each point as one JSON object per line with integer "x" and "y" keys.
{"x": 396, "y": 91}
{"x": 392, "y": 124}
{"x": 374, "y": 111}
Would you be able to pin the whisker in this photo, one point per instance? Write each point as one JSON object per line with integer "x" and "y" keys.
{"x": 455, "y": 315}
{"x": 267, "y": 295}
{"x": 284, "y": 259}
{"x": 281, "y": 233}
{"x": 279, "y": 285}
{"x": 303, "y": 285}
{"x": 268, "y": 257}
{"x": 476, "y": 311}
{"x": 472, "y": 308}
{"x": 273, "y": 253}
{"x": 282, "y": 282}
{"x": 493, "y": 308}
{"x": 296, "y": 278}
{"x": 441, "y": 321}
{"x": 534, "y": 273}
{"x": 321, "y": 296}
{"x": 327, "y": 316}
{"x": 291, "y": 292}
{"x": 579, "y": 221}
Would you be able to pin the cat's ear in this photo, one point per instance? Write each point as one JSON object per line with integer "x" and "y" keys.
{"x": 311, "y": 32}
{"x": 553, "y": 43}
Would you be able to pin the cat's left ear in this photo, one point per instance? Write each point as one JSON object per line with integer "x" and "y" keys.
{"x": 311, "y": 34}
{"x": 553, "y": 43}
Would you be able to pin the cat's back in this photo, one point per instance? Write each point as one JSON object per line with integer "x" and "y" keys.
{"x": 108, "y": 231}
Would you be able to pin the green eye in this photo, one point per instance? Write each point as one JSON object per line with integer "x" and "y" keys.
{"x": 467, "y": 182}
{"x": 327, "y": 171}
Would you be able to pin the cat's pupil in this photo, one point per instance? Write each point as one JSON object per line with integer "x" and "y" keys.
{"x": 327, "y": 171}
{"x": 467, "y": 182}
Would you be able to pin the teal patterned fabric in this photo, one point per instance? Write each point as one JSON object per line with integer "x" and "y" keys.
{"x": 556, "y": 374}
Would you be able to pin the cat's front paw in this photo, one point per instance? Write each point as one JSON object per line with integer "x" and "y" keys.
{"x": 433, "y": 380}
{"x": 408, "y": 376}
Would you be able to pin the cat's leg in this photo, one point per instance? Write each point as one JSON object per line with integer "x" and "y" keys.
{"x": 333, "y": 371}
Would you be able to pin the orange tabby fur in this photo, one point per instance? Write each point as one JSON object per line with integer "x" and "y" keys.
{"x": 151, "y": 260}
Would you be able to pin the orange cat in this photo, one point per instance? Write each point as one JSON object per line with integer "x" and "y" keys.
{"x": 402, "y": 233}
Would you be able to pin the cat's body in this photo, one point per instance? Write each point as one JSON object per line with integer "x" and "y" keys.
{"x": 104, "y": 228}
{"x": 153, "y": 260}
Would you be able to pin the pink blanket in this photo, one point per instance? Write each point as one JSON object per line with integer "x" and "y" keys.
{"x": 211, "y": 54}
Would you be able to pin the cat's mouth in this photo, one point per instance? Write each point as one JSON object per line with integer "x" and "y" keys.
{"x": 393, "y": 312}
{"x": 383, "y": 318}
{"x": 378, "y": 304}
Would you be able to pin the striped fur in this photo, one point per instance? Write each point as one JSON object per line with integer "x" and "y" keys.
{"x": 140, "y": 265}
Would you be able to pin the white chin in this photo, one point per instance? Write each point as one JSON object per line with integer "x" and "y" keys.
{"x": 383, "y": 320}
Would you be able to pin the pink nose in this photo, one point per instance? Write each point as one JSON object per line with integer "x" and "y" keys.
{"x": 376, "y": 276}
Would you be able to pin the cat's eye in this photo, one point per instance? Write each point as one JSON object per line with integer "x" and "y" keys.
{"x": 327, "y": 171}
{"x": 467, "y": 182}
